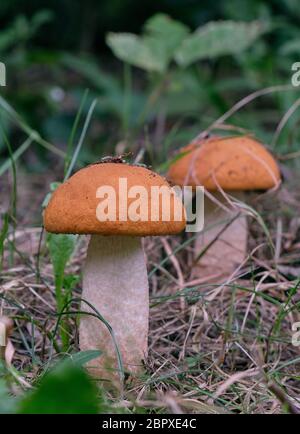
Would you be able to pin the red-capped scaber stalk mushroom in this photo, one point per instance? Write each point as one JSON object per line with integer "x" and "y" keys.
{"x": 226, "y": 168}
{"x": 115, "y": 275}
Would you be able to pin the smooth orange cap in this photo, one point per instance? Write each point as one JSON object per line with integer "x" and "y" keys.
{"x": 233, "y": 163}
{"x": 72, "y": 207}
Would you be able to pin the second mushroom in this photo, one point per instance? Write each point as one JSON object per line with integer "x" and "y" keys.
{"x": 226, "y": 167}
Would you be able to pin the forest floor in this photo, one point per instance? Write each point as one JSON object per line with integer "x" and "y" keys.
{"x": 213, "y": 348}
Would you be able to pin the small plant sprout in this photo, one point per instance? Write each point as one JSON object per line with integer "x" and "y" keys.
{"x": 226, "y": 167}
{"x": 115, "y": 282}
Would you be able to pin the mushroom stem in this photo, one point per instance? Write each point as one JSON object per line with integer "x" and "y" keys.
{"x": 115, "y": 282}
{"x": 227, "y": 232}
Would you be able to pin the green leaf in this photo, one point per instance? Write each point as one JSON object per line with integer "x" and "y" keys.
{"x": 70, "y": 281}
{"x": 132, "y": 49}
{"x": 65, "y": 390}
{"x": 61, "y": 247}
{"x": 164, "y": 35}
{"x": 154, "y": 50}
{"x": 218, "y": 39}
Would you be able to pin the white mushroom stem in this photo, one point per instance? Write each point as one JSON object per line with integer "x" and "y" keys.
{"x": 225, "y": 235}
{"x": 115, "y": 282}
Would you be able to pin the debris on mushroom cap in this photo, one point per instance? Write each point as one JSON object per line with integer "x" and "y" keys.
{"x": 233, "y": 163}
{"x": 72, "y": 207}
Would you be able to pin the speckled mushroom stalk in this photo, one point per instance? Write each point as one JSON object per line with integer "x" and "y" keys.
{"x": 115, "y": 276}
{"x": 225, "y": 236}
{"x": 227, "y": 168}
{"x": 115, "y": 282}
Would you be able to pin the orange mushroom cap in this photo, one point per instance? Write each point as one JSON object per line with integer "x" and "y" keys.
{"x": 233, "y": 163}
{"x": 72, "y": 207}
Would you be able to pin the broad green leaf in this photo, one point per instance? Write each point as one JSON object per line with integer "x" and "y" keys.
{"x": 133, "y": 49}
{"x": 162, "y": 25}
{"x": 218, "y": 39}
{"x": 164, "y": 35}
{"x": 65, "y": 390}
{"x": 154, "y": 50}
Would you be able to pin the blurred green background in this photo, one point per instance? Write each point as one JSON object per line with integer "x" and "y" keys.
{"x": 153, "y": 94}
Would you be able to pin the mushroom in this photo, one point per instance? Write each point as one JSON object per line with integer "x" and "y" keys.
{"x": 226, "y": 168}
{"x": 115, "y": 275}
